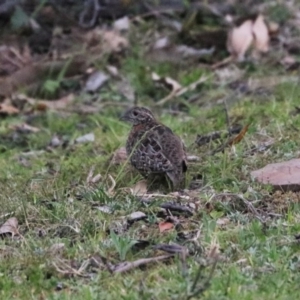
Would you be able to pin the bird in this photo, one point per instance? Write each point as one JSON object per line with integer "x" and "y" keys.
{"x": 153, "y": 149}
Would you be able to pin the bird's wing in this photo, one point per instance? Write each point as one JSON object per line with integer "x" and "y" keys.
{"x": 149, "y": 155}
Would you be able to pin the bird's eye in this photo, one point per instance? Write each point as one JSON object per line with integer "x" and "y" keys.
{"x": 135, "y": 113}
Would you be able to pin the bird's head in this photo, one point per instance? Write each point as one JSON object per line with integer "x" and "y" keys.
{"x": 138, "y": 115}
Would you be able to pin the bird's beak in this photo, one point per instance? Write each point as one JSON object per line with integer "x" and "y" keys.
{"x": 122, "y": 118}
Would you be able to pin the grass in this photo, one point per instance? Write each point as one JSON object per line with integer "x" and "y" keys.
{"x": 61, "y": 227}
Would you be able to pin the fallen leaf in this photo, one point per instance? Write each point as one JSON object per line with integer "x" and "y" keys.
{"x": 240, "y": 136}
{"x": 140, "y": 188}
{"x": 7, "y": 109}
{"x": 164, "y": 226}
{"x": 182, "y": 90}
{"x": 41, "y": 106}
{"x": 240, "y": 39}
{"x": 212, "y": 136}
{"x": 173, "y": 84}
{"x": 10, "y": 226}
{"x": 168, "y": 82}
{"x": 261, "y": 34}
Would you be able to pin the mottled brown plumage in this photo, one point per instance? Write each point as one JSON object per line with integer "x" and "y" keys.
{"x": 153, "y": 148}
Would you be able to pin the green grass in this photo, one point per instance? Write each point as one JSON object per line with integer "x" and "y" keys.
{"x": 55, "y": 205}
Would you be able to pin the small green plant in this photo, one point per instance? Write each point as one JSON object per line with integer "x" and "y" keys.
{"x": 122, "y": 244}
{"x": 51, "y": 86}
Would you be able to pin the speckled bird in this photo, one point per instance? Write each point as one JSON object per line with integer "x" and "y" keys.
{"x": 153, "y": 148}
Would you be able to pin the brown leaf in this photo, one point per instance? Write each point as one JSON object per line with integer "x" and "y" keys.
{"x": 140, "y": 188}
{"x": 164, "y": 226}
{"x": 41, "y": 106}
{"x": 240, "y": 136}
{"x": 10, "y": 226}
{"x": 261, "y": 34}
{"x": 240, "y": 39}
{"x": 8, "y": 109}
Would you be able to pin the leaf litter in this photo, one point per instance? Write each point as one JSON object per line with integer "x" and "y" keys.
{"x": 9, "y": 227}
